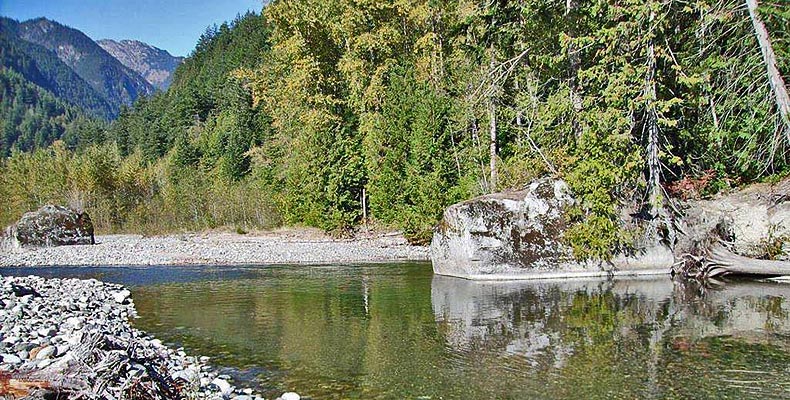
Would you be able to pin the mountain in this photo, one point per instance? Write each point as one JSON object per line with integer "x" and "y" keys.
{"x": 153, "y": 64}
{"x": 116, "y": 83}
{"x": 44, "y": 69}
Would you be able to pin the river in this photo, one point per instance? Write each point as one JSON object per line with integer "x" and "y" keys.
{"x": 396, "y": 331}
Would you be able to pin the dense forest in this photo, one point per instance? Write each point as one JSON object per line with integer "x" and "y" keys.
{"x": 31, "y": 118}
{"x": 302, "y": 114}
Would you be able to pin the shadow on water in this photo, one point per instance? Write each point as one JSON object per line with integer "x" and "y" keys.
{"x": 397, "y": 331}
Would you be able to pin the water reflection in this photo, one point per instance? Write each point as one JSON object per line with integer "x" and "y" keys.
{"x": 393, "y": 331}
{"x": 646, "y": 338}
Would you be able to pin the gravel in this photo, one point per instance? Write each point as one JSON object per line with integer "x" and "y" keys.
{"x": 219, "y": 248}
{"x": 73, "y": 336}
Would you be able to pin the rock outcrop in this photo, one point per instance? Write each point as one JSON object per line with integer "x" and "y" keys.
{"x": 155, "y": 65}
{"x": 519, "y": 235}
{"x": 51, "y": 226}
{"x": 752, "y": 219}
{"x": 742, "y": 233}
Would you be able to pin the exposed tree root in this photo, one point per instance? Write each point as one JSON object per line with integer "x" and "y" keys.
{"x": 718, "y": 261}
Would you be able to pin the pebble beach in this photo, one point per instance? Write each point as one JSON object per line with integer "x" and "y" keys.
{"x": 279, "y": 247}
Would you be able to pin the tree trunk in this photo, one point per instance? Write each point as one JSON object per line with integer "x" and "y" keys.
{"x": 492, "y": 131}
{"x": 493, "y": 152}
{"x": 769, "y": 58}
{"x": 651, "y": 128}
{"x": 478, "y": 155}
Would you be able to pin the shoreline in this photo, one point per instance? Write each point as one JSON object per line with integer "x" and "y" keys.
{"x": 74, "y": 337}
{"x": 298, "y": 246}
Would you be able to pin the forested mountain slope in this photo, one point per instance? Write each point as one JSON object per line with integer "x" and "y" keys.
{"x": 43, "y": 68}
{"x": 33, "y": 118}
{"x": 117, "y": 84}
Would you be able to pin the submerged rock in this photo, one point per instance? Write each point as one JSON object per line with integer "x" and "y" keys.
{"x": 51, "y": 226}
{"x": 290, "y": 396}
{"x": 519, "y": 235}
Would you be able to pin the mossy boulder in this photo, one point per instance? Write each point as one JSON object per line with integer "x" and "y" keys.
{"x": 51, "y": 226}
{"x": 521, "y": 235}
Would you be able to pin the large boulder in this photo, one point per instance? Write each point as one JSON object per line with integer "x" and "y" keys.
{"x": 51, "y": 226}
{"x": 755, "y": 220}
{"x": 519, "y": 235}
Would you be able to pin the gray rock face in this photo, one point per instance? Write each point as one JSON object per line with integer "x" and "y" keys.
{"x": 751, "y": 219}
{"x": 519, "y": 235}
{"x": 154, "y": 64}
{"x": 51, "y": 226}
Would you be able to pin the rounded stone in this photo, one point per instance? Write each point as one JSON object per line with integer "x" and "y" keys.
{"x": 46, "y": 353}
{"x": 290, "y": 396}
{"x": 10, "y": 359}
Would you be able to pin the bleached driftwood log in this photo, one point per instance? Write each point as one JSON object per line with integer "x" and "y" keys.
{"x": 719, "y": 261}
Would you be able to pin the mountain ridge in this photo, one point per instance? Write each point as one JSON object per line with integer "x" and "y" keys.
{"x": 118, "y": 84}
{"x": 99, "y": 76}
{"x": 155, "y": 65}
{"x": 43, "y": 68}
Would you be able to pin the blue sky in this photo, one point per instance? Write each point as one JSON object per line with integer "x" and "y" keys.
{"x": 173, "y": 25}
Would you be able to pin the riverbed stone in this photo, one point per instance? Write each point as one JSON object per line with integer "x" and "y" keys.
{"x": 10, "y": 358}
{"x": 290, "y": 396}
{"x": 106, "y": 344}
{"x": 224, "y": 387}
{"x": 121, "y": 296}
{"x": 46, "y": 352}
{"x": 46, "y": 332}
{"x": 50, "y": 226}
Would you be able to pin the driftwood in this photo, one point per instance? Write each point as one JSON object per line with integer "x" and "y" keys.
{"x": 104, "y": 367}
{"x": 719, "y": 261}
{"x": 15, "y": 386}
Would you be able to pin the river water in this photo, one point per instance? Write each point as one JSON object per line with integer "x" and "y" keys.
{"x": 396, "y": 331}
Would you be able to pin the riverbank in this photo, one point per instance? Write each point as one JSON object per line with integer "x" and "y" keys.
{"x": 291, "y": 246}
{"x": 73, "y": 336}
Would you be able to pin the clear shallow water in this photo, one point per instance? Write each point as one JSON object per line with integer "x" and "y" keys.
{"x": 396, "y": 331}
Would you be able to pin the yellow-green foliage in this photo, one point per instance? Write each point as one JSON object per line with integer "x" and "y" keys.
{"x": 128, "y": 194}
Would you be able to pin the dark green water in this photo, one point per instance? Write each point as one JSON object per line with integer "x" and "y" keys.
{"x": 398, "y": 332}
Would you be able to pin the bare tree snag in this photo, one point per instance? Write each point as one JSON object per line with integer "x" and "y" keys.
{"x": 493, "y": 152}
{"x": 660, "y": 226}
{"x": 769, "y": 58}
{"x": 492, "y": 131}
{"x": 651, "y": 128}
{"x": 476, "y": 141}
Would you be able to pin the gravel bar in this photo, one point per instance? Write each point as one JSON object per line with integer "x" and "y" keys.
{"x": 218, "y": 248}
